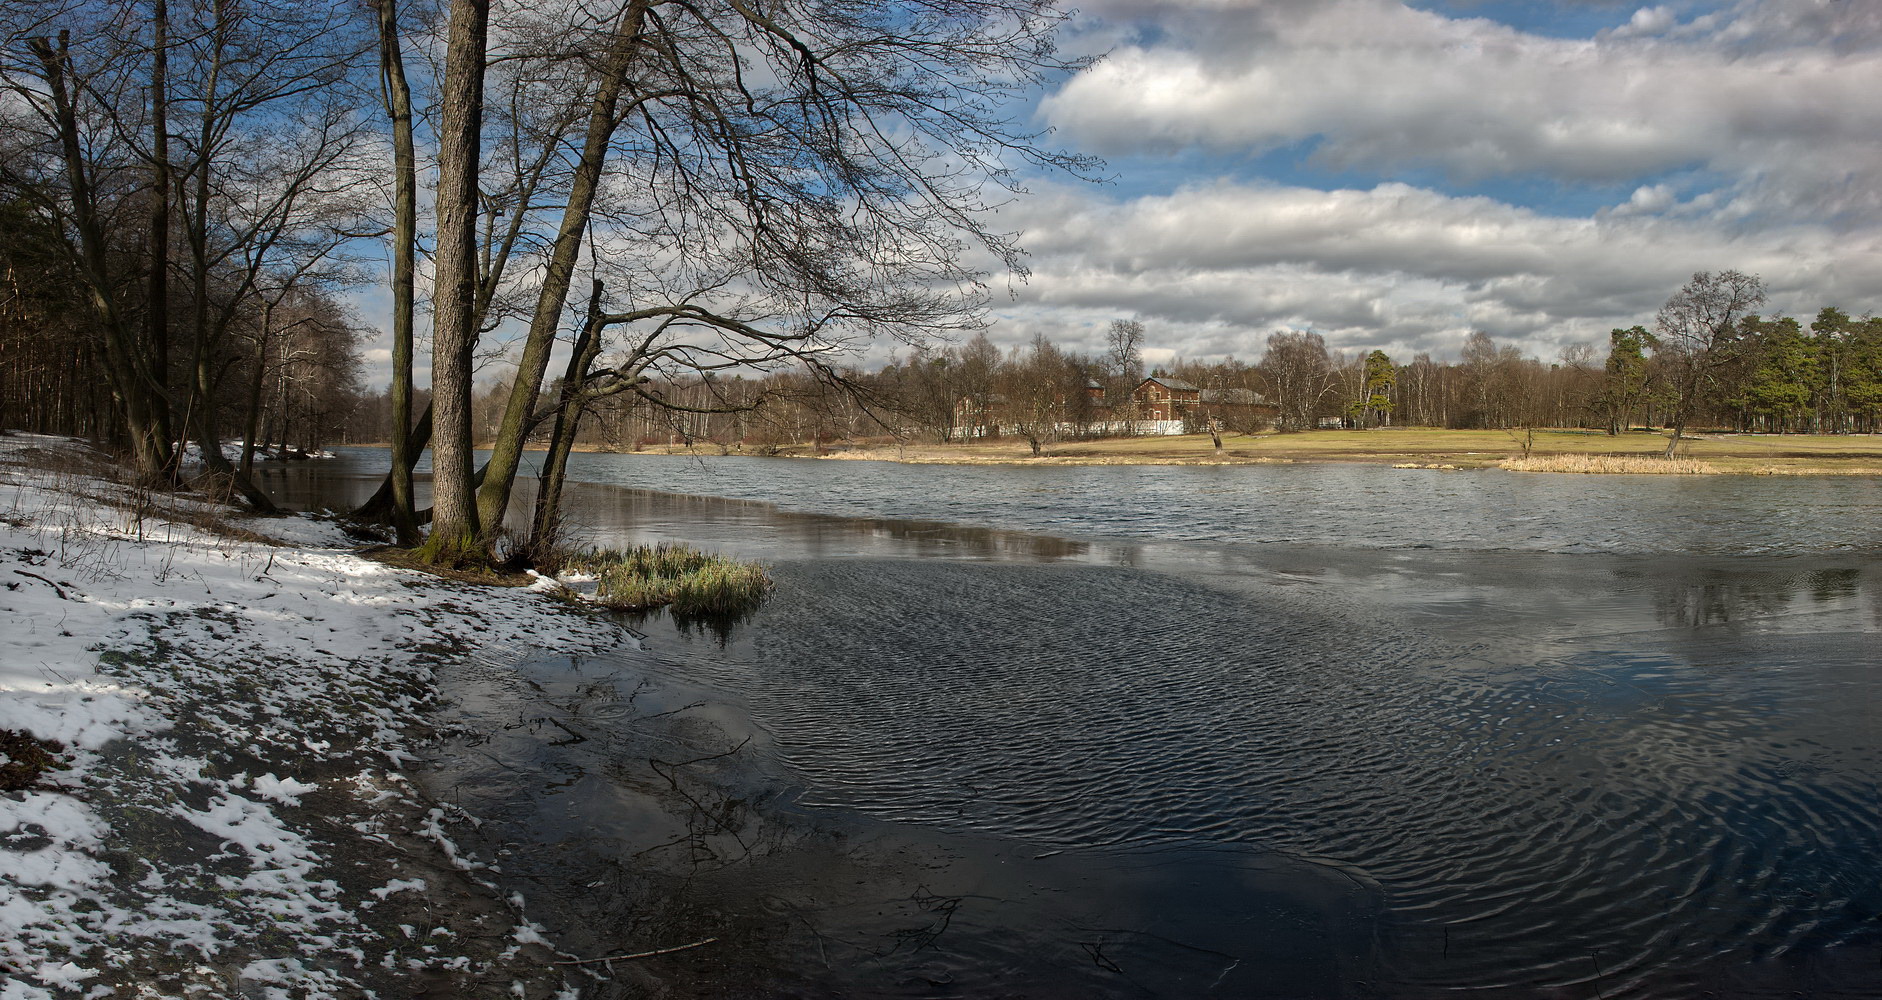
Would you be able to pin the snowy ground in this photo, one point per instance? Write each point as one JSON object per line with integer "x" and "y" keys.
{"x": 236, "y": 698}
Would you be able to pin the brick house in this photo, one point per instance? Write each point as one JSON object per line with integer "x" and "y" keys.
{"x": 1160, "y": 398}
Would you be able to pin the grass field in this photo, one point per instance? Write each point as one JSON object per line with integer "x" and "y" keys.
{"x": 1756, "y": 454}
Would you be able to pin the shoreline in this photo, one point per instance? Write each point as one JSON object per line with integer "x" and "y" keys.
{"x": 242, "y": 707}
{"x": 1631, "y": 453}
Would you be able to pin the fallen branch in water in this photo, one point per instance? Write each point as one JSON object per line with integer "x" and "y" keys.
{"x": 643, "y": 954}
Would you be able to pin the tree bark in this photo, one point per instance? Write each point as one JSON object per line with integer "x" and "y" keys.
{"x": 252, "y": 425}
{"x": 455, "y": 529}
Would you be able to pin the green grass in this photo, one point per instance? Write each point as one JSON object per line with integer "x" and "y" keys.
{"x": 680, "y": 577}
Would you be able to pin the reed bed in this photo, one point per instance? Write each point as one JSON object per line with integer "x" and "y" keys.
{"x": 1613, "y": 465}
{"x": 680, "y": 577}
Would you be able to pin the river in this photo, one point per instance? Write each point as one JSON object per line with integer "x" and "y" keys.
{"x": 1185, "y": 731}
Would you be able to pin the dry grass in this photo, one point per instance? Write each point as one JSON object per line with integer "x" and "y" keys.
{"x": 1423, "y": 447}
{"x": 1612, "y": 465}
{"x": 691, "y": 582}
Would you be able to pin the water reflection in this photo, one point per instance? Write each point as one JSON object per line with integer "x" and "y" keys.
{"x": 952, "y": 760}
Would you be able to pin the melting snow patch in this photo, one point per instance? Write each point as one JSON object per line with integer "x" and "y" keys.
{"x": 174, "y": 663}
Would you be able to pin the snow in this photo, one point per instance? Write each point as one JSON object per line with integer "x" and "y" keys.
{"x": 232, "y": 450}
{"x": 228, "y": 710}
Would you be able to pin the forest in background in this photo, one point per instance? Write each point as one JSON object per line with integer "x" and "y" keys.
{"x": 1775, "y": 375}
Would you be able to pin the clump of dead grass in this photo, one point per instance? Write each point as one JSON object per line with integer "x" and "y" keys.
{"x": 689, "y": 581}
{"x": 1612, "y": 465}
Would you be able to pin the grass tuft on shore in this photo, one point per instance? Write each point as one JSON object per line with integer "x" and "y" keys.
{"x": 1613, "y": 465}
{"x": 680, "y": 577}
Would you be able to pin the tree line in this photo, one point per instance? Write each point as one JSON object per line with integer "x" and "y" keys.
{"x": 174, "y": 211}
{"x": 1769, "y": 374}
{"x": 1708, "y": 360}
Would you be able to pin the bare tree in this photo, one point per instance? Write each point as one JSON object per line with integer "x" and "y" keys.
{"x": 1124, "y": 360}
{"x": 1299, "y": 376}
{"x": 71, "y": 113}
{"x": 1035, "y": 389}
{"x": 1698, "y": 331}
{"x": 820, "y": 167}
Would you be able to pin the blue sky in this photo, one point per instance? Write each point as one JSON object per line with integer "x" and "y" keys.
{"x": 1398, "y": 175}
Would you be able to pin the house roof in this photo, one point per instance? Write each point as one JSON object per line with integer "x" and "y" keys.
{"x": 1169, "y": 383}
{"x": 1233, "y": 396}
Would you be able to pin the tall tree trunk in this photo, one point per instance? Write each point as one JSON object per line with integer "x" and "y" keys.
{"x": 158, "y": 311}
{"x": 397, "y": 95}
{"x": 547, "y": 521}
{"x": 603, "y": 117}
{"x": 252, "y": 425}
{"x": 205, "y": 336}
{"x": 454, "y": 527}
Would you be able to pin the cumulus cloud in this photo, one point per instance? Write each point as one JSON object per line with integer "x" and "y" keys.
{"x": 1750, "y": 137}
{"x": 1214, "y": 267}
{"x": 1376, "y": 84}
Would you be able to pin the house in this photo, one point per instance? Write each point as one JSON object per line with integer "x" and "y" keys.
{"x": 1160, "y": 398}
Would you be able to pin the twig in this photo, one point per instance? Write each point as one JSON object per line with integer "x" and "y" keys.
{"x": 55, "y": 587}
{"x": 643, "y": 954}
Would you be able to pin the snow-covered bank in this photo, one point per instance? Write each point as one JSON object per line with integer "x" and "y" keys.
{"x": 236, "y": 698}
{"x": 232, "y": 450}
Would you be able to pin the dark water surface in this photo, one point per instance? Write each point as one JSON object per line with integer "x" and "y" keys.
{"x": 951, "y": 760}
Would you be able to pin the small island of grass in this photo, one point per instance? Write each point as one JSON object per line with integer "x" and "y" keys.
{"x": 678, "y": 577}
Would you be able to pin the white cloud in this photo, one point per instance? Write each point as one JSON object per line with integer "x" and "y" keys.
{"x": 1212, "y": 269}
{"x": 1750, "y": 138}
{"x": 1764, "y": 97}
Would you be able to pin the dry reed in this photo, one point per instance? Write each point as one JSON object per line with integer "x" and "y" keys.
{"x": 1612, "y": 465}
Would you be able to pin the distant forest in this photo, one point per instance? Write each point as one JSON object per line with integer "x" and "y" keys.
{"x": 1774, "y": 375}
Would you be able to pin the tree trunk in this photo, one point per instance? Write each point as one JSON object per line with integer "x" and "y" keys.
{"x": 398, "y": 100}
{"x": 126, "y": 364}
{"x": 252, "y": 425}
{"x": 157, "y": 320}
{"x": 455, "y": 530}
{"x": 506, "y": 451}
{"x": 546, "y": 523}
{"x": 1679, "y": 427}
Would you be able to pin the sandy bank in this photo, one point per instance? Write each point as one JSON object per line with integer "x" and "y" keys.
{"x": 1406, "y": 447}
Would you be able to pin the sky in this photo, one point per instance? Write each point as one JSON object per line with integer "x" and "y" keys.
{"x": 1397, "y": 175}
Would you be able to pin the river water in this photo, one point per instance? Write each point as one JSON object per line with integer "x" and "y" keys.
{"x": 1229, "y": 731}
